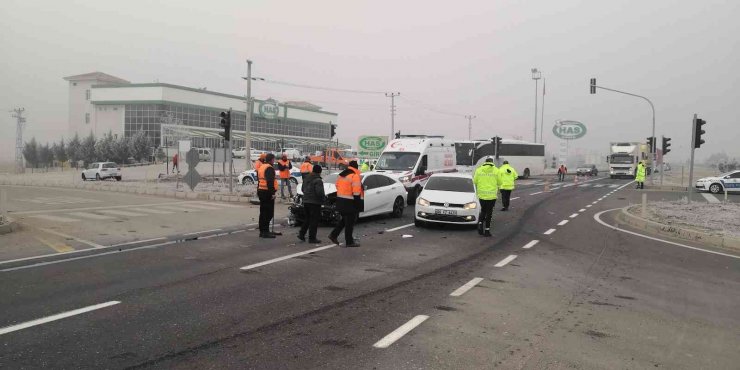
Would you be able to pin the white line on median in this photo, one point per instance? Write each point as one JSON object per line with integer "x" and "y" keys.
{"x": 400, "y": 332}
{"x": 505, "y": 261}
{"x": 574, "y": 215}
{"x": 530, "y": 244}
{"x": 463, "y": 289}
{"x": 59, "y": 316}
{"x": 399, "y": 228}
{"x": 202, "y": 232}
{"x": 561, "y": 223}
{"x": 550, "y": 231}
{"x": 539, "y": 192}
{"x": 283, "y": 258}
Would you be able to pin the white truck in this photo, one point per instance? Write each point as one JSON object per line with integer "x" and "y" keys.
{"x": 624, "y": 157}
{"x": 413, "y": 158}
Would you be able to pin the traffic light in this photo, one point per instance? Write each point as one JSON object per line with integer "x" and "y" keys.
{"x": 650, "y": 143}
{"x": 666, "y": 145}
{"x": 333, "y": 130}
{"x": 698, "y": 132}
{"x": 226, "y": 125}
{"x": 496, "y": 145}
{"x": 593, "y": 86}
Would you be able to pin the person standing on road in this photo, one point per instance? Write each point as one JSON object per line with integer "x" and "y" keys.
{"x": 640, "y": 175}
{"x": 266, "y": 189}
{"x": 364, "y": 167}
{"x": 561, "y": 172}
{"x": 306, "y": 168}
{"x": 350, "y": 202}
{"x": 508, "y": 176}
{"x": 313, "y": 198}
{"x": 487, "y": 181}
{"x": 284, "y": 167}
{"x": 260, "y": 161}
{"x": 175, "y": 159}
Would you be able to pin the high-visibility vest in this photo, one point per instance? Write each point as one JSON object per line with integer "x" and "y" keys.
{"x": 507, "y": 178}
{"x": 364, "y": 167}
{"x": 350, "y": 186}
{"x": 306, "y": 167}
{"x": 285, "y": 174}
{"x": 262, "y": 181}
{"x": 486, "y": 181}
{"x": 257, "y": 165}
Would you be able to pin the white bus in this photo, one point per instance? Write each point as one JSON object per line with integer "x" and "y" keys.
{"x": 528, "y": 159}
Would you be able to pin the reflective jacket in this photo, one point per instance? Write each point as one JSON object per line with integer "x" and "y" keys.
{"x": 265, "y": 178}
{"x": 306, "y": 168}
{"x": 350, "y": 194}
{"x": 487, "y": 181}
{"x": 257, "y": 164}
{"x": 640, "y": 175}
{"x": 508, "y": 175}
{"x": 284, "y": 167}
{"x": 364, "y": 167}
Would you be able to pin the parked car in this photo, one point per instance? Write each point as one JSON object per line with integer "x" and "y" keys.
{"x": 447, "y": 198}
{"x": 250, "y": 176}
{"x": 587, "y": 170}
{"x": 383, "y": 195}
{"x": 718, "y": 184}
{"x": 204, "y": 154}
{"x": 102, "y": 170}
{"x": 292, "y": 153}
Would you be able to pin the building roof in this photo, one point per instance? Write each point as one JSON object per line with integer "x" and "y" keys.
{"x": 97, "y": 76}
{"x": 303, "y": 104}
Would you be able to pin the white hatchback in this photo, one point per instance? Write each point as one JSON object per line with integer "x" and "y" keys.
{"x": 447, "y": 198}
{"x": 102, "y": 170}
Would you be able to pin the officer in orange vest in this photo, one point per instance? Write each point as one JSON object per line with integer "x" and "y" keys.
{"x": 284, "y": 166}
{"x": 258, "y": 163}
{"x": 266, "y": 189}
{"x": 350, "y": 202}
{"x": 306, "y": 168}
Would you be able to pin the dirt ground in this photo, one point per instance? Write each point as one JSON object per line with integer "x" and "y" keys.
{"x": 720, "y": 218}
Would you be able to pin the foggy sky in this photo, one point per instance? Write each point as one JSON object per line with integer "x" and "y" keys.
{"x": 471, "y": 57}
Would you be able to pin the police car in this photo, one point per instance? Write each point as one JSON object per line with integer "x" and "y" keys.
{"x": 729, "y": 181}
{"x": 250, "y": 177}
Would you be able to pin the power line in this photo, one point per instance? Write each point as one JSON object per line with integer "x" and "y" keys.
{"x": 319, "y": 87}
{"x": 424, "y": 106}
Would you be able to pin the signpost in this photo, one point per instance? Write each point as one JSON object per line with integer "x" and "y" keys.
{"x": 269, "y": 109}
{"x": 567, "y": 131}
{"x": 370, "y": 147}
{"x": 192, "y": 177}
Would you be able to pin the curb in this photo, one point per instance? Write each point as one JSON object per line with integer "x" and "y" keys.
{"x": 8, "y": 227}
{"x": 716, "y": 240}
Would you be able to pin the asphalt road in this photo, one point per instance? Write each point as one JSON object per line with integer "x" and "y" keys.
{"x": 583, "y": 296}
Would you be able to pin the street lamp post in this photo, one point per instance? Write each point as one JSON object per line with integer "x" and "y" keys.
{"x": 470, "y": 126}
{"x": 536, "y": 75}
{"x": 248, "y": 128}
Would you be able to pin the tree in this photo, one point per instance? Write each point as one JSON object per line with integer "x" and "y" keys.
{"x": 31, "y": 153}
{"x": 104, "y": 147}
{"x": 54, "y": 150}
{"x": 60, "y": 152}
{"x": 73, "y": 149}
{"x": 140, "y": 146}
{"x": 87, "y": 149}
{"x": 121, "y": 150}
{"x": 46, "y": 156}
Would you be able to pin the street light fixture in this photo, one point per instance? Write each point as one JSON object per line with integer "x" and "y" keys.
{"x": 536, "y": 75}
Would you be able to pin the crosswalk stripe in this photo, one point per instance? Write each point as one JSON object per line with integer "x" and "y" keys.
{"x": 200, "y": 206}
{"x": 151, "y": 210}
{"x": 584, "y": 185}
{"x": 121, "y": 213}
{"x": 55, "y": 218}
{"x": 90, "y": 216}
{"x": 614, "y": 186}
{"x": 598, "y": 185}
{"x": 179, "y": 209}
{"x": 567, "y": 185}
{"x": 710, "y": 198}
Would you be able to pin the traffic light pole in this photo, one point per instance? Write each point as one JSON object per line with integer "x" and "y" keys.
{"x": 662, "y": 159}
{"x": 248, "y": 134}
{"x": 691, "y": 164}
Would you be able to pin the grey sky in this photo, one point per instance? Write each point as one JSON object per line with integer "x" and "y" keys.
{"x": 471, "y": 57}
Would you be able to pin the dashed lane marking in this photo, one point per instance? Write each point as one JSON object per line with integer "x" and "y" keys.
{"x": 574, "y": 215}
{"x": 90, "y": 216}
{"x": 400, "y": 332}
{"x": 514, "y": 198}
{"x": 582, "y": 210}
{"x": 398, "y": 228}
{"x": 561, "y": 223}
{"x": 283, "y": 258}
{"x": 539, "y": 192}
{"x": 59, "y": 316}
{"x": 463, "y": 289}
{"x": 567, "y": 185}
{"x": 588, "y": 206}
{"x": 505, "y": 261}
{"x": 598, "y": 185}
{"x": 530, "y": 244}
{"x": 55, "y": 218}
{"x": 613, "y": 186}
{"x": 549, "y": 231}
{"x": 584, "y": 185}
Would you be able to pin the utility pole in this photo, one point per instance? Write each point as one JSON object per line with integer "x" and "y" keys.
{"x": 393, "y": 110}
{"x": 542, "y": 116}
{"x": 536, "y": 75}
{"x": 248, "y": 134}
{"x": 20, "y": 120}
{"x": 470, "y": 126}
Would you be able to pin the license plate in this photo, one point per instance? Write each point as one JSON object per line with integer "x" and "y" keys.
{"x": 445, "y": 212}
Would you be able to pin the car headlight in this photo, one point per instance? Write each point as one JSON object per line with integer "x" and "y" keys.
{"x": 423, "y": 202}
{"x": 404, "y": 178}
{"x": 471, "y": 205}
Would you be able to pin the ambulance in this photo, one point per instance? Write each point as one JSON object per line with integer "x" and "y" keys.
{"x": 413, "y": 158}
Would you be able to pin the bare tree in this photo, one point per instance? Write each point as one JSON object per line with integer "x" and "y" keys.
{"x": 73, "y": 150}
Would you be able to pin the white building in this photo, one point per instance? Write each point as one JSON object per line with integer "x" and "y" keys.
{"x": 101, "y": 103}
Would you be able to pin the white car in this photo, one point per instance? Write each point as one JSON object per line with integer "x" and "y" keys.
{"x": 102, "y": 170}
{"x": 383, "y": 195}
{"x": 718, "y": 184}
{"x": 250, "y": 177}
{"x": 447, "y": 198}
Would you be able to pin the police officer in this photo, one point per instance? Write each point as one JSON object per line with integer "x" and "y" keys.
{"x": 487, "y": 181}
{"x": 640, "y": 175}
{"x": 364, "y": 167}
{"x": 306, "y": 168}
{"x": 284, "y": 167}
{"x": 508, "y": 176}
{"x": 266, "y": 189}
{"x": 259, "y": 162}
{"x": 350, "y": 202}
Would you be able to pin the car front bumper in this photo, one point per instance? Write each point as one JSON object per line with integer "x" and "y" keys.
{"x": 442, "y": 215}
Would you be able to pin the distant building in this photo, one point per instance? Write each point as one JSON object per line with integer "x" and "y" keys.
{"x": 100, "y": 103}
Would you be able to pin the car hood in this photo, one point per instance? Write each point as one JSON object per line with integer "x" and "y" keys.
{"x": 454, "y": 197}
{"x": 711, "y": 178}
{"x": 328, "y": 189}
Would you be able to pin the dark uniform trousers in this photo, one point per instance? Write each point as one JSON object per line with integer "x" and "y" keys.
{"x": 348, "y": 224}
{"x": 505, "y": 197}
{"x": 311, "y": 224}
{"x": 486, "y": 211}
{"x": 267, "y": 210}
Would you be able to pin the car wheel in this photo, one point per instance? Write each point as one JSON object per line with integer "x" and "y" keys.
{"x": 526, "y": 173}
{"x": 398, "y": 208}
{"x": 97, "y": 176}
{"x": 294, "y": 180}
{"x": 118, "y": 178}
{"x": 715, "y": 188}
{"x": 247, "y": 181}
{"x": 419, "y": 223}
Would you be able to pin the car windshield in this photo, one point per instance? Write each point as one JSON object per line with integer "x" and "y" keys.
{"x": 397, "y": 161}
{"x": 449, "y": 183}
{"x": 726, "y": 174}
{"x": 622, "y": 159}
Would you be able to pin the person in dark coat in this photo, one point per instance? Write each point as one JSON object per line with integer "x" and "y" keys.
{"x": 313, "y": 198}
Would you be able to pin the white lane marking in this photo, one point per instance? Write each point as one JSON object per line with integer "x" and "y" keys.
{"x": 584, "y": 185}
{"x": 135, "y": 242}
{"x": 595, "y": 202}
{"x": 549, "y": 231}
{"x": 505, "y": 261}
{"x": 59, "y": 316}
{"x": 574, "y": 215}
{"x": 121, "y": 213}
{"x": 613, "y": 186}
{"x": 597, "y": 217}
{"x": 598, "y": 185}
{"x": 202, "y": 232}
{"x": 561, "y": 223}
{"x": 514, "y": 198}
{"x": 152, "y": 210}
{"x": 567, "y": 185}
{"x": 400, "y": 332}
{"x": 398, "y": 228}
{"x": 216, "y": 204}
{"x": 93, "y": 208}
{"x": 463, "y": 289}
{"x": 83, "y": 241}
{"x": 539, "y": 192}
{"x": 90, "y": 216}
{"x": 710, "y": 198}
{"x": 530, "y": 244}
{"x": 283, "y": 258}
{"x": 588, "y": 206}
{"x": 200, "y": 206}
{"x": 56, "y": 218}
{"x": 180, "y": 209}
{"x": 582, "y": 210}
